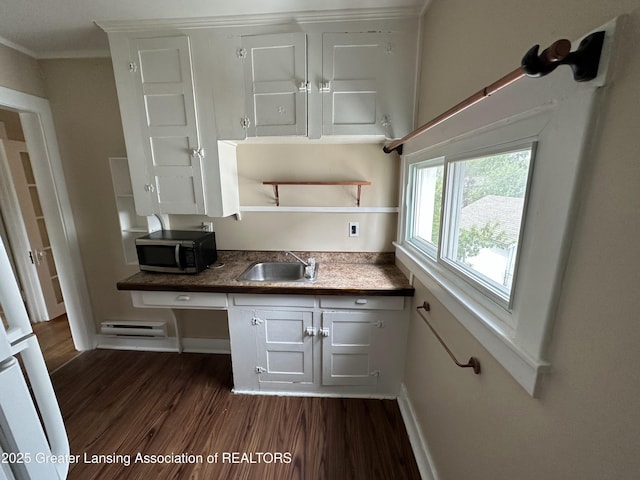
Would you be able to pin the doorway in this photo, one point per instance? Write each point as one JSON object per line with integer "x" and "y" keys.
{"x": 27, "y": 235}
{"x": 36, "y": 122}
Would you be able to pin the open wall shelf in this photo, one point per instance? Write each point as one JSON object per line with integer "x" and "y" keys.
{"x": 356, "y": 183}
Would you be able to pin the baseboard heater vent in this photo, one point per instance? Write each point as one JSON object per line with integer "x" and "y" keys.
{"x": 134, "y": 329}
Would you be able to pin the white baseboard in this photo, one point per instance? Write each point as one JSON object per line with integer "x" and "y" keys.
{"x": 206, "y": 345}
{"x": 136, "y": 343}
{"x": 189, "y": 345}
{"x": 418, "y": 443}
{"x": 313, "y": 393}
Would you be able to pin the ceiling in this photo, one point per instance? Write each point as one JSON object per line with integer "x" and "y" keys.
{"x": 66, "y": 28}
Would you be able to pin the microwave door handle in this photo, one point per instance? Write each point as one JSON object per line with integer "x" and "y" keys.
{"x": 177, "y": 256}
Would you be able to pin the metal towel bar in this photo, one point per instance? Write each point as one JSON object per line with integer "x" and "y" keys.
{"x": 473, "y": 361}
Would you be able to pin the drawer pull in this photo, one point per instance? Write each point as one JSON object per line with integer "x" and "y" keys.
{"x": 361, "y": 301}
{"x": 183, "y": 298}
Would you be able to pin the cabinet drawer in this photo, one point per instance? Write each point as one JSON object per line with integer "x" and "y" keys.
{"x": 363, "y": 302}
{"x": 179, "y": 299}
{"x": 273, "y": 300}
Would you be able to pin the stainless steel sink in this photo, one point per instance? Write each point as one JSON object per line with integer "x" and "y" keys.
{"x": 276, "y": 272}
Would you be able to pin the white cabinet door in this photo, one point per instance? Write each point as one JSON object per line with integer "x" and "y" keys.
{"x": 348, "y": 346}
{"x": 351, "y": 69}
{"x": 275, "y": 72}
{"x": 172, "y": 182}
{"x": 242, "y": 337}
{"x": 367, "y": 86}
{"x": 285, "y": 346}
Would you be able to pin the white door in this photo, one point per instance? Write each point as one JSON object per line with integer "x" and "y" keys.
{"x": 39, "y": 248}
{"x": 31, "y": 426}
{"x": 20, "y": 424}
{"x": 284, "y": 345}
{"x": 169, "y": 179}
{"x": 275, "y": 73}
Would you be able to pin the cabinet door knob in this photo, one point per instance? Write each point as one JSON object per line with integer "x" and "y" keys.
{"x": 310, "y": 332}
{"x": 324, "y": 87}
{"x": 197, "y": 152}
{"x": 324, "y": 332}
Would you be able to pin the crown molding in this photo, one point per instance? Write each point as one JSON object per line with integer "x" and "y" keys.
{"x": 71, "y": 54}
{"x": 18, "y": 48}
{"x": 64, "y": 54}
{"x": 111, "y": 26}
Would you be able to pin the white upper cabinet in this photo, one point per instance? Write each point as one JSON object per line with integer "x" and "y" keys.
{"x": 172, "y": 148}
{"x": 186, "y": 86}
{"x": 275, "y": 73}
{"x": 355, "y": 83}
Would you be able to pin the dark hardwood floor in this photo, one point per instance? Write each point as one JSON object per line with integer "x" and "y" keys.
{"x": 55, "y": 342}
{"x": 121, "y": 403}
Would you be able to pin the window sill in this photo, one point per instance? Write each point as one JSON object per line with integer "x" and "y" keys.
{"x": 487, "y": 322}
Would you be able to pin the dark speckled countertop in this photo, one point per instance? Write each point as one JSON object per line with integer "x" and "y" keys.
{"x": 339, "y": 274}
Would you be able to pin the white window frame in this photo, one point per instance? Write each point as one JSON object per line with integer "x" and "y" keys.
{"x": 411, "y": 236}
{"x": 555, "y": 112}
{"x": 438, "y": 253}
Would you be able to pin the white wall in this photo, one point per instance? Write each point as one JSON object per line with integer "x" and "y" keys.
{"x": 303, "y": 230}
{"x": 85, "y": 111}
{"x": 584, "y": 425}
{"x": 20, "y": 72}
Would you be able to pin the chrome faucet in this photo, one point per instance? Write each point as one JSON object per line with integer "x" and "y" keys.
{"x": 297, "y": 258}
{"x": 309, "y": 265}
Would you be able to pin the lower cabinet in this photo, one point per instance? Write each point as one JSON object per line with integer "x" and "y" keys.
{"x": 294, "y": 344}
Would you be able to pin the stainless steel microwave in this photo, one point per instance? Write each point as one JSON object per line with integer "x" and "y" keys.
{"x": 176, "y": 251}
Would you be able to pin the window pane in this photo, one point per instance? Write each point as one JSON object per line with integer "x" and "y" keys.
{"x": 427, "y": 204}
{"x": 486, "y": 208}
